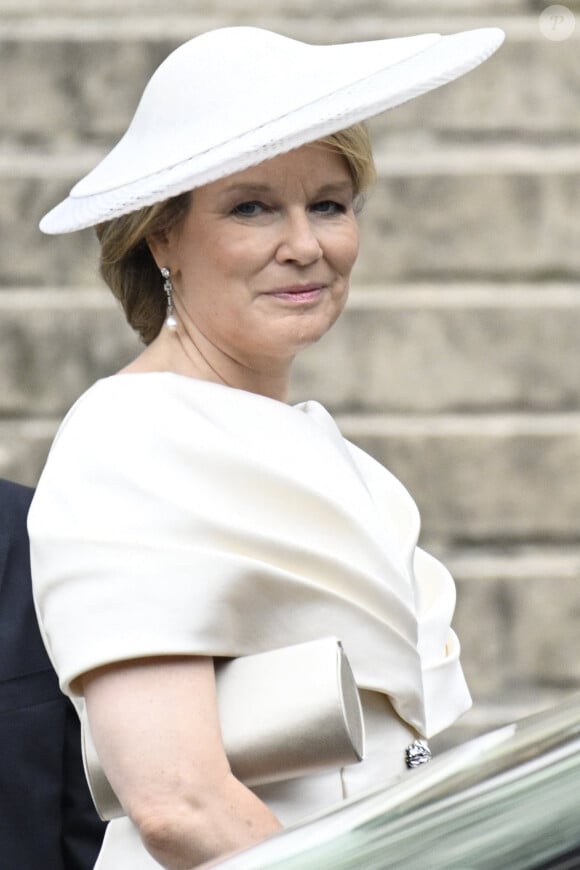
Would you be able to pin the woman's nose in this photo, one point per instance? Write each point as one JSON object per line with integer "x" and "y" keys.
{"x": 298, "y": 241}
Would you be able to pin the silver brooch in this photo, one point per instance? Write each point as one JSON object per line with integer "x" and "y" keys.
{"x": 417, "y": 753}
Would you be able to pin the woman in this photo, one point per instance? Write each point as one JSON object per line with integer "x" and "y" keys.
{"x": 186, "y": 511}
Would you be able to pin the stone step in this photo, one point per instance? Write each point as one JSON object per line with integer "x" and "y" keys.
{"x": 252, "y": 9}
{"x": 50, "y": 19}
{"x": 518, "y": 617}
{"x": 413, "y": 349}
{"x": 509, "y": 478}
{"x": 511, "y": 214}
{"x": 59, "y": 75}
{"x": 440, "y": 349}
{"x": 487, "y": 221}
{"x": 54, "y": 344}
{"x": 476, "y": 478}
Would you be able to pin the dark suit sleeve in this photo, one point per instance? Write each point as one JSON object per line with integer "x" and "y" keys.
{"x": 82, "y": 829}
{"x": 47, "y": 818}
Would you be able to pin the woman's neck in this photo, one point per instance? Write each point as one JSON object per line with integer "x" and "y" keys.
{"x": 173, "y": 351}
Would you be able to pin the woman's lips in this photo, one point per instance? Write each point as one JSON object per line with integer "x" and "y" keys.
{"x": 298, "y": 292}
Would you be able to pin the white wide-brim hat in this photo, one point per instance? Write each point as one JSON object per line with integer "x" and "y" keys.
{"x": 233, "y": 97}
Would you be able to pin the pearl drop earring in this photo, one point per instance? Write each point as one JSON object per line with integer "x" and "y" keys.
{"x": 170, "y": 319}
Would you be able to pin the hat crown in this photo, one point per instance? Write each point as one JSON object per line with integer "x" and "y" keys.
{"x": 218, "y": 84}
{"x": 220, "y": 65}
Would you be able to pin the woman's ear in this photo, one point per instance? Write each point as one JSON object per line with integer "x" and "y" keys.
{"x": 158, "y": 244}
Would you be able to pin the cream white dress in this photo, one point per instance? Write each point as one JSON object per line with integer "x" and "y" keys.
{"x": 177, "y": 516}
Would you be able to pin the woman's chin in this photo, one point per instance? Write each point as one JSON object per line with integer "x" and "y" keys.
{"x": 303, "y": 335}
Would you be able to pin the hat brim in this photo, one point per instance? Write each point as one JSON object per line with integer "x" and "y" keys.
{"x": 441, "y": 62}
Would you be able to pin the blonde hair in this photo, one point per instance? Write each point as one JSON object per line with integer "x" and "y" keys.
{"x": 127, "y": 265}
{"x": 354, "y": 144}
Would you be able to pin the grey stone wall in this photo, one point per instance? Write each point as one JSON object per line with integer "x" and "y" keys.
{"x": 457, "y": 361}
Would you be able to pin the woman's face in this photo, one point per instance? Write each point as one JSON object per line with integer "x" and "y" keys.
{"x": 262, "y": 261}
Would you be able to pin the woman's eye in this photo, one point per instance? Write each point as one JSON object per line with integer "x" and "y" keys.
{"x": 248, "y": 209}
{"x": 329, "y": 206}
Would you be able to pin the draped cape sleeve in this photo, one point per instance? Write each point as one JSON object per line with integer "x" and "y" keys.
{"x": 176, "y": 516}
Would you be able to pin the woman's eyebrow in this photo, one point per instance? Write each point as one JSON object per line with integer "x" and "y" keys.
{"x": 335, "y": 187}
{"x": 249, "y": 187}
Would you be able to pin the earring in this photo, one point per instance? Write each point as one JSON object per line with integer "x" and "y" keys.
{"x": 171, "y": 319}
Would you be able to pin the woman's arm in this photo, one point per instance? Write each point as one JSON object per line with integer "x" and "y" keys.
{"x": 156, "y": 730}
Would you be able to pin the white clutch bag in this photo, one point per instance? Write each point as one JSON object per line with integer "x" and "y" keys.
{"x": 283, "y": 713}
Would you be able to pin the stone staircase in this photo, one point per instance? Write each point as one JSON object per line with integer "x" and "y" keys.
{"x": 457, "y": 361}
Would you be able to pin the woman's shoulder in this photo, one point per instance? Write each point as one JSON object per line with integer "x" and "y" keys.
{"x": 126, "y": 393}
{"x": 125, "y": 433}
{"x": 153, "y": 394}
{"x": 117, "y": 424}
{"x": 126, "y": 421}
{"x": 161, "y": 405}
{"x": 122, "y": 404}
